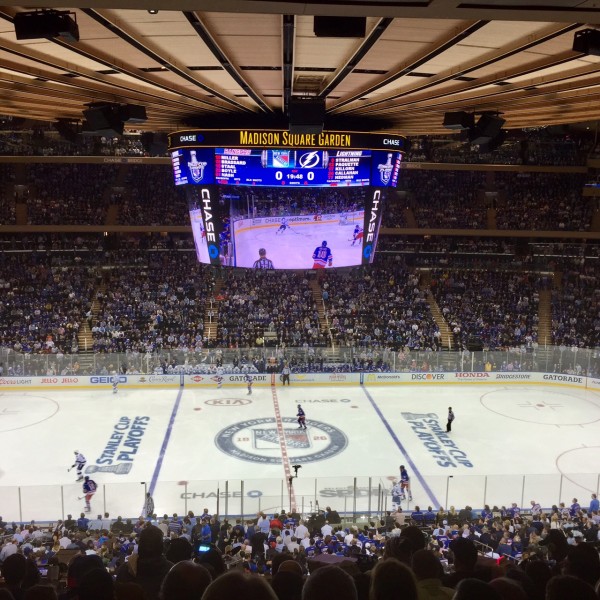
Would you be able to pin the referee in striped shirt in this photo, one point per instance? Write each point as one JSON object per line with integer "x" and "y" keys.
{"x": 263, "y": 262}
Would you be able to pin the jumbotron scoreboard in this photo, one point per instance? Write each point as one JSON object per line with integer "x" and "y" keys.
{"x": 279, "y": 158}
{"x": 234, "y": 225}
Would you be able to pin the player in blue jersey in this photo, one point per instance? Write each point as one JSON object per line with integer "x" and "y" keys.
{"x": 301, "y": 417}
{"x": 322, "y": 256}
{"x": 249, "y": 382}
{"x": 283, "y": 226}
{"x": 405, "y": 483}
{"x": 89, "y": 489}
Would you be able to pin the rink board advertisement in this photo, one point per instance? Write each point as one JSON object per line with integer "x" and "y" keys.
{"x": 210, "y": 380}
{"x": 477, "y": 377}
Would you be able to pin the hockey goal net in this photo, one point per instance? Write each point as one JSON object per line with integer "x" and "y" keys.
{"x": 345, "y": 220}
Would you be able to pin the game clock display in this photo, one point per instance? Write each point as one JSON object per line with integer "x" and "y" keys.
{"x": 285, "y": 167}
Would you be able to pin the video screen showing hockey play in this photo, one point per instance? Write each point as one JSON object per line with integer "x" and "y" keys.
{"x": 306, "y": 228}
{"x": 313, "y": 206}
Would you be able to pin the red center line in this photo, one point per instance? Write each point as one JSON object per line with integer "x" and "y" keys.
{"x": 284, "y": 452}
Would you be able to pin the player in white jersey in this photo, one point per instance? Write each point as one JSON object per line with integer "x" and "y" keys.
{"x": 219, "y": 377}
{"x": 283, "y": 226}
{"x": 80, "y": 461}
{"x": 115, "y": 382}
{"x": 397, "y": 494}
{"x": 249, "y": 382}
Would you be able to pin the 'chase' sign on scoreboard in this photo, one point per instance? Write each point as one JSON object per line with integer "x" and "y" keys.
{"x": 255, "y": 138}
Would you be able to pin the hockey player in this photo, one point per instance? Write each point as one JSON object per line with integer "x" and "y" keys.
{"x": 219, "y": 377}
{"x": 115, "y": 382}
{"x": 397, "y": 494}
{"x": 357, "y": 236}
{"x": 301, "y": 417}
{"x": 322, "y": 256}
{"x": 405, "y": 483}
{"x": 89, "y": 489}
{"x": 249, "y": 382}
{"x": 80, "y": 461}
{"x": 285, "y": 375}
{"x": 283, "y": 226}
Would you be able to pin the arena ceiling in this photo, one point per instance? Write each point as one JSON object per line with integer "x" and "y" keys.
{"x": 238, "y": 62}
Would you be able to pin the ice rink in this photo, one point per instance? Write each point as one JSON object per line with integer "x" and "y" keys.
{"x": 194, "y": 448}
{"x": 294, "y": 247}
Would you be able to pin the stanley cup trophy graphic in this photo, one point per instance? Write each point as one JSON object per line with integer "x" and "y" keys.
{"x": 119, "y": 469}
{"x": 196, "y": 168}
{"x": 385, "y": 170}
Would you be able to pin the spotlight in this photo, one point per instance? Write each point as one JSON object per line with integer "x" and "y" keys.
{"x": 152, "y": 11}
{"x": 296, "y": 467}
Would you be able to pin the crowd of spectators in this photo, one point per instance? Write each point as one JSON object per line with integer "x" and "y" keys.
{"x": 45, "y": 141}
{"x": 445, "y": 199}
{"x": 69, "y": 194}
{"x": 495, "y": 553}
{"x": 150, "y": 198}
{"x": 576, "y": 308}
{"x": 382, "y": 307}
{"x": 7, "y": 205}
{"x": 154, "y": 307}
{"x": 489, "y": 308}
{"x": 543, "y": 201}
{"x": 258, "y": 306}
{"x": 532, "y": 149}
{"x": 42, "y": 307}
{"x": 156, "y": 297}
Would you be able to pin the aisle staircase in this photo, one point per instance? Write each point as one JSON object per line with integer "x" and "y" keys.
{"x": 595, "y": 221}
{"x": 211, "y": 323}
{"x": 409, "y": 217}
{"x": 21, "y": 213}
{"x": 317, "y": 294}
{"x": 112, "y": 214}
{"x": 436, "y": 313}
{"x": 84, "y": 337}
{"x": 545, "y": 318}
{"x": 491, "y": 218}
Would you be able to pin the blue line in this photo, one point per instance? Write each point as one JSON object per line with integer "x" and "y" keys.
{"x": 165, "y": 443}
{"x": 416, "y": 471}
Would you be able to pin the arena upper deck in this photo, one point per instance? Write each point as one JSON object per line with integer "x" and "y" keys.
{"x": 239, "y": 62}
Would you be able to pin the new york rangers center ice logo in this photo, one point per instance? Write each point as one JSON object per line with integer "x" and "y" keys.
{"x": 385, "y": 170}
{"x": 257, "y": 441}
{"x": 196, "y": 168}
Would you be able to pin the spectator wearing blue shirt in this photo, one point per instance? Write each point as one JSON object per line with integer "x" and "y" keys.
{"x": 594, "y": 503}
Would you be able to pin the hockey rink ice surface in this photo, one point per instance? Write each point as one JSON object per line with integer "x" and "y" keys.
{"x": 186, "y": 446}
{"x": 294, "y": 247}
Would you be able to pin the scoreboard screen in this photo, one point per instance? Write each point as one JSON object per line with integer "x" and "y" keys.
{"x": 285, "y": 167}
{"x": 314, "y": 168}
{"x": 273, "y": 199}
